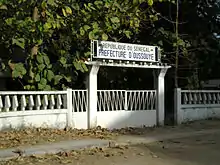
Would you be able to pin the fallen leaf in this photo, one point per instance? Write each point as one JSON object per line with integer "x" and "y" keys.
{"x": 141, "y": 154}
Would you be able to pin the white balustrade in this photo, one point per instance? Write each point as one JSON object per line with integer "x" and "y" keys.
{"x": 200, "y": 97}
{"x": 108, "y": 100}
{"x": 32, "y": 100}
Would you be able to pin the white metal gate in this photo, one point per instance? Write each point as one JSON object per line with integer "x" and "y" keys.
{"x": 131, "y": 100}
{"x": 117, "y": 108}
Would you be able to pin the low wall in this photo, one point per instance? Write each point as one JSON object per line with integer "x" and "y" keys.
{"x": 191, "y": 114}
{"x": 60, "y": 109}
{"x": 38, "y": 118}
{"x": 191, "y": 105}
{"x": 122, "y": 119}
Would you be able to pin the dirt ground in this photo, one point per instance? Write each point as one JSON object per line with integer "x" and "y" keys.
{"x": 32, "y": 136}
{"x": 198, "y": 150}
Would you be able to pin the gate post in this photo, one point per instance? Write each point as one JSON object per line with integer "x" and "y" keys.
{"x": 92, "y": 96}
{"x": 177, "y": 106}
{"x": 69, "y": 108}
{"x": 161, "y": 96}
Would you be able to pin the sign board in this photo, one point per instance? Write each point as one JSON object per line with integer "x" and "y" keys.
{"x": 123, "y": 51}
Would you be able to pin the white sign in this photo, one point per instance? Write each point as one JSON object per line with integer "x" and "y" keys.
{"x": 124, "y": 51}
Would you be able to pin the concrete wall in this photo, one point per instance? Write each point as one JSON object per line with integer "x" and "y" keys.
{"x": 193, "y": 105}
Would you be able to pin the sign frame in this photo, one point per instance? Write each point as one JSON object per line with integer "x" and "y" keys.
{"x": 97, "y": 47}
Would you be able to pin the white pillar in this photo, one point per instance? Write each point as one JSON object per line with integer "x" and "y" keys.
{"x": 161, "y": 96}
{"x": 92, "y": 96}
{"x": 69, "y": 108}
{"x": 177, "y": 106}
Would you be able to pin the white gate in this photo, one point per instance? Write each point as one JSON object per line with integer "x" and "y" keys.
{"x": 126, "y": 108}
{"x": 116, "y": 108}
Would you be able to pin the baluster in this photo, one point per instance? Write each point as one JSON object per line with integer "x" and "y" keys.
{"x": 137, "y": 105}
{"x": 100, "y": 102}
{"x": 185, "y": 99}
{"x": 84, "y": 96}
{"x": 218, "y": 98}
{"x": 74, "y": 102}
{"x": 59, "y": 101}
{"x": 151, "y": 103}
{"x": 45, "y": 102}
{"x": 107, "y": 100}
{"x": 209, "y": 98}
{"x": 77, "y": 101}
{"x": 14, "y": 103}
{"x": 117, "y": 100}
{"x": 204, "y": 98}
{"x": 23, "y": 102}
{"x": 147, "y": 100}
{"x": 65, "y": 101}
{"x": 112, "y": 100}
{"x": 1, "y": 104}
{"x": 200, "y": 98}
{"x": 142, "y": 101}
{"x": 195, "y": 98}
{"x": 52, "y": 102}
{"x": 7, "y": 103}
{"x": 80, "y": 101}
{"x": 214, "y": 98}
{"x": 190, "y": 98}
{"x": 38, "y": 102}
{"x": 31, "y": 102}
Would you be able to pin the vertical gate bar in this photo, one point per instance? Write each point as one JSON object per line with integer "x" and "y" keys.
{"x": 126, "y": 100}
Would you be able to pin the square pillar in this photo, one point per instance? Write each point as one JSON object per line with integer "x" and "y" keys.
{"x": 160, "y": 107}
{"x": 92, "y": 96}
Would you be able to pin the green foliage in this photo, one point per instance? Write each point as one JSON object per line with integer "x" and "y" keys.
{"x": 55, "y": 35}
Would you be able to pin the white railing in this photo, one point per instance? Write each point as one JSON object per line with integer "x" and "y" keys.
{"x": 200, "y": 97}
{"x": 111, "y": 100}
{"x": 70, "y": 108}
{"x": 196, "y": 104}
{"x": 32, "y": 100}
{"x": 141, "y": 100}
{"x": 108, "y": 100}
{"x": 80, "y": 101}
{"x": 114, "y": 100}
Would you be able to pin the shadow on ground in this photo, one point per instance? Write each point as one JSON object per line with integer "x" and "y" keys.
{"x": 201, "y": 150}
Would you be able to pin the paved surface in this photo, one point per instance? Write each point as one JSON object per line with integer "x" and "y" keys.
{"x": 196, "y": 150}
{"x": 79, "y": 144}
{"x": 191, "y": 144}
{"x": 52, "y": 148}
